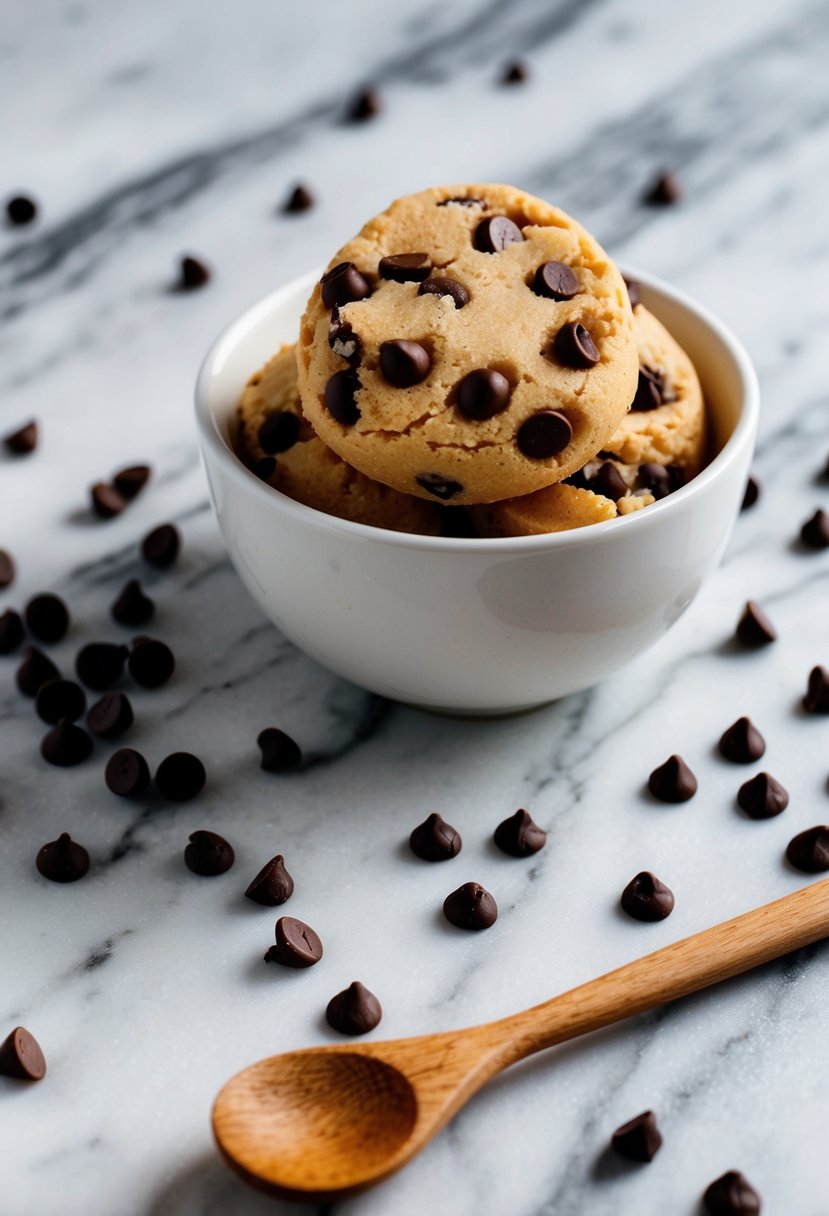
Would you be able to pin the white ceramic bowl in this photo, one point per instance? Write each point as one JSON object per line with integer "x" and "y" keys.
{"x": 476, "y": 626}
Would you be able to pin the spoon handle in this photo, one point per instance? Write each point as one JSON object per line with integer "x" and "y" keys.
{"x": 688, "y": 965}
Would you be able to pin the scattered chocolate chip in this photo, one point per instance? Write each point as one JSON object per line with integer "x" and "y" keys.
{"x": 663, "y": 190}
{"x": 646, "y": 898}
{"x": 192, "y": 273}
{"x": 297, "y": 945}
{"x": 815, "y": 531}
{"x": 34, "y": 671}
{"x": 752, "y": 493}
{"x": 58, "y": 699}
{"x": 343, "y": 284}
{"x": 110, "y": 716}
{"x": 343, "y": 340}
{"x": 279, "y": 751}
{"x": 300, "y": 199}
{"x": 403, "y": 363}
{"x": 731, "y": 1195}
{"x": 435, "y": 839}
{"x": 127, "y": 773}
{"x": 11, "y": 631}
{"x": 354, "y": 1011}
{"x": 495, "y": 233}
{"x": 816, "y": 700}
{"x": 515, "y": 73}
{"x": 634, "y": 292}
{"x": 47, "y": 617}
{"x": 405, "y": 267}
{"x": 556, "y": 281}
{"x": 442, "y": 285}
{"x": 130, "y": 482}
{"x": 608, "y": 482}
{"x": 132, "y": 606}
{"x": 21, "y": 1057}
{"x": 661, "y": 479}
{"x": 150, "y": 662}
{"x": 762, "y": 797}
{"x": 754, "y": 629}
{"x": 20, "y": 210}
{"x": 106, "y": 501}
{"x": 65, "y": 745}
{"x": 672, "y": 781}
{"x": 62, "y": 860}
{"x": 7, "y": 570}
{"x": 809, "y": 850}
{"x": 639, "y": 1139}
{"x": 273, "y": 884}
{"x": 648, "y": 395}
{"x": 180, "y": 777}
{"x": 364, "y": 105}
{"x": 482, "y": 393}
{"x": 23, "y": 441}
{"x": 340, "y": 397}
{"x": 520, "y": 835}
{"x": 742, "y": 743}
{"x": 470, "y": 907}
{"x": 99, "y": 665}
{"x": 442, "y": 487}
{"x": 208, "y": 854}
{"x": 574, "y": 346}
{"x": 544, "y": 434}
{"x": 461, "y": 202}
{"x": 279, "y": 432}
{"x": 161, "y": 546}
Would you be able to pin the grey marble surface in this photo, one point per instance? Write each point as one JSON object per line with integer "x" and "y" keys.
{"x": 148, "y": 131}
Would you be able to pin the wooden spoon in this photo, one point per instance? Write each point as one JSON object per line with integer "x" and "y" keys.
{"x": 326, "y": 1122}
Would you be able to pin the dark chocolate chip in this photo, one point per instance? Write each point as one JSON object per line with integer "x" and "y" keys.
{"x": 106, "y": 501}
{"x": 403, "y": 363}
{"x": 515, "y": 73}
{"x": 297, "y": 945}
{"x": 496, "y": 233}
{"x": 21, "y": 1057}
{"x": 435, "y": 839}
{"x": 161, "y": 546}
{"x": 279, "y": 751}
{"x": 520, "y": 835}
{"x": 180, "y": 777}
{"x": 132, "y": 606}
{"x": 762, "y": 797}
{"x": 672, "y": 781}
{"x": 809, "y": 850}
{"x": 300, "y": 199}
{"x": 62, "y": 860}
{"x": 279, "y": 432}
{"x": 127, "y": 773}
{"x": 752, "y": 493}
{"x": 193, "y": 273}
{"x": 65, "y": 745}
{"x": 364, "y": 105}
{"x": 343, "y": 340}
{"x": 7, "y": 569}
{"x": 663, "y": 190}
{"x": 20, "y": 210}
{"x": 23, "y": 441}
{"x": 742, "y": 743}
{"x": 544, "y": 434}
{"x": 34, "y": 671}
{"x": 731, "y": 1195}
{"x": 608, "y": 482}
{"x": 130, "y": 482}
{"x": 354, "y": 1011}
{"x": 208, "y": 854}
{"x": 99, "y": 665}
{"x": 639, "y": 1139}
{"x": 658, "y": 478}
{"x": 405, "y": 267}
{"x": 58, "y": 699}
{"x": 470, "y": 907}
{"x": 340, "y": 397}
{"x": 646, "y": 898}
{"x": 343, "y": 284}
{"x": 150, "y": 663}
{"x": 648, "y": 395}
{"x": 556, "y": 281}
{"x": 110, "y": 716}
{"x": 754, "y": 629}
{"x": 461, "y": 202}
{"x": 264, "y": 468}
{"x": 442, "y": 487}
{"x": 482, "y": 393}
{"x": 47, "y": 617}
{"x": 11, "y": 631}
{"x": 273, "y": 884}
{"x": 574, "y": 346}
{"x": 442, "y": 285}
{"x": 634, "y": 292}
{"x": 815, "y": 531}
{"x": 816, "y": 700}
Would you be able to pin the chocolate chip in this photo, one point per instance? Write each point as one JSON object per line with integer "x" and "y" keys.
{"x": 20, "y": 210}
{"x": 364, "y": 106}
{"x": 279, "y": 432}
{"x": 544, "y": 434}
{"x": 574, "y": 346}
{"x": 99, "y": 665}
{"x": 657, "y": 478}
{"x": 815, "y": 531}
{"x": 110, "y": 716}
{"x": 132, "y": 606}
{"x": 608, "y": 482}
{"x": 556, "y": 281}
{"x": 442, "y": 285}
{"x": 634, "y": 292}
{"x": 279, "y": 751}
{"x": 354, "y": 1011}
{"x": 62, "y": 860}
{"x": 340, "y": 397}
{"x": 520, "y": 835}
{"x": 264, "y": 468}
{"x": 47, "y": 617}
{"x": 648, "y": 395}
{"x": 646, "y": 898}
{"x": 161, "y": 546}
{"x": 461, "y": 202}
{"x": 34, "y": 671}
{"x": 273, "y": 884}
{"x": 742, "y": 743}
{"x": 106, "y": 501}
{"x": 515, "y": 73}
{"x": 495, "y": 233}
{"x": 300, "y": 199}
{"x": 343, "y": 340}
{"x": 435, "y": 839}
{"x": 816, "y": 700}
{"x": 58, "y": 699}
{"x": 208, "y": 854}
{"x": 809, "y": 850}
{"x": 752, "y": 493}
{"x": 663, "y": 191}
{"x": 731, "y": 1195}
{"x": 404, "y": 363}
{"x": 639, "y": 1139}
{"x": 672, "y": 781}
{"x": 483, "y": 393}
{"x": 7, "y": 569}
{"x": 405, "y": 267}
{"x": 127, "y": 773}
{"x": 11, "y": 631}
{"x": 297, "y": 945}
{"x": 193, "y": 273}
{"x": 762, "y": 797}
{"x": 343, "y": 284}
{"x": 21, "y": 1057}
{"x": 65, "y": 745}
{"x": 180, "y": 777}
{"x": 470, "y": 907}
{"x": 23, "y": 441}
{"x": 130, "y": 482}
{"x": 442, "y": 487}
{"x": 754, "y": 629}
{"x": 150, "y": 663}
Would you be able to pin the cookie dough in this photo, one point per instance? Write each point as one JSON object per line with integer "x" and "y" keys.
{"x": 561, "y": 507}
{"x": 471, "y": 344}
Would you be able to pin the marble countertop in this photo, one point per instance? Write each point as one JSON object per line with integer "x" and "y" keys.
{"x": 149, "y": 131}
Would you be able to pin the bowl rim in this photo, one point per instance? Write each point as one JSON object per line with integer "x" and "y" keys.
{"x": 235, "y": 333}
